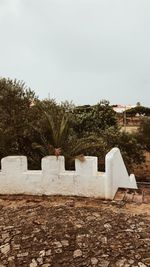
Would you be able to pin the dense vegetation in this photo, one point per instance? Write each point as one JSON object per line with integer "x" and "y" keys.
{"x": 140, "y": 110}
{"x": 36, "y": 128}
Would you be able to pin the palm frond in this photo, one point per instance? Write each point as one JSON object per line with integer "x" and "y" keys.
{"x": 43, "y": 150}
{"x": 84, "y": 144}
{"x": 63, "y": 130}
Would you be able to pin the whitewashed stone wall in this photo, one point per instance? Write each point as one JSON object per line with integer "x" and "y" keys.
{"x": 53, "y": 179}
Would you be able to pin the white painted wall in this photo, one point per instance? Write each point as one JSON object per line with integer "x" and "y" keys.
{"x": 116, "y": 174}
{"x": 53, "y": 179}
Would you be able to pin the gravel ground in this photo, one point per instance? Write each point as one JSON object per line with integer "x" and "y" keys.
{"x": 69, "y": 232}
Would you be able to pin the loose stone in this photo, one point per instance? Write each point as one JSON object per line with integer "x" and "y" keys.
{"x": 5, "y": 248}
{"x": 48, "y": 252}
{"x": 25, "y": 254}
{"x": 65, "y": 243}
{"x": 77, "y": 253}
{"x": 94, "y": 261}
{"x": 141, "y": 264}
{"x": 33, "y": 263}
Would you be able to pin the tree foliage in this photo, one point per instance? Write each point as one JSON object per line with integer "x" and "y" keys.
{"x": 144, "y": 133}
{"x": 16, "y": 114}
{"x": 58, "y": 135}
{"x": 35, "y": 128}
{"x": 94, "y": 119}
{"x": 144, "y": 111}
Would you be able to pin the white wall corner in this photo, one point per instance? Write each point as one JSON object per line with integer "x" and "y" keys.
{"x": 116, "y": 174}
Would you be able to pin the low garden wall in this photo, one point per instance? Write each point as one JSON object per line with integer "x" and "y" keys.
{"x": 53, "y": 179}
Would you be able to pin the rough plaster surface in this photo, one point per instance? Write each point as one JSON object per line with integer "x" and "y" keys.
{"x": 53, "y": 179}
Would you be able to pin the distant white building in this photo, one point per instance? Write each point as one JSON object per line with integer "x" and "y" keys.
{"x": 122, "y": 108}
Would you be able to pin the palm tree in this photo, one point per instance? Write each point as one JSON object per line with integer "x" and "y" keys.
{"x": 61, "y": 138}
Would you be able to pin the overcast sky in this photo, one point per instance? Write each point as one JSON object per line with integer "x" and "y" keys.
{"x": 80, "y": 50}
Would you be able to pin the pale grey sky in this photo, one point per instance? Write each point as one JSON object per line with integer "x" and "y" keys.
{"x": 80, "y": 50}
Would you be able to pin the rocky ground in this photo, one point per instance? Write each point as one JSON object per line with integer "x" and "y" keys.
{"x": 69, "y": 232}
